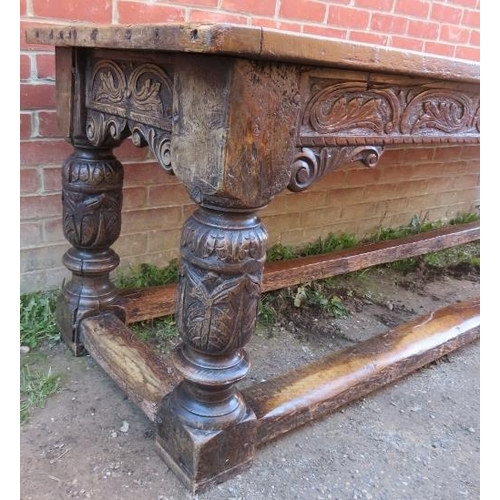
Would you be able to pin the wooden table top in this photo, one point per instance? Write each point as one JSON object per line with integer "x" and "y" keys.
{"x": 256, "y": 43}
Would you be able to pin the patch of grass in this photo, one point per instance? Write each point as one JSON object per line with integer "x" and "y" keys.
{"x": 36, "y": 387}
{"x": 463, "y": 218}
{"x": 468, "y": 253}
{"x": 148, "y": 275}
{"x": 330, "y": 243}
{"x": 281, "y": 252}
{"x": 333, "y": 242}
{"x": 267, "y": 313}
{"x": 416, "y": 226}
{"x": 37, "y": 318}
{"x": 158, "y": 332}
{"x": 320, "y": 295}
{"x": 464, "y": 254}
{"x": 405, "y": 266}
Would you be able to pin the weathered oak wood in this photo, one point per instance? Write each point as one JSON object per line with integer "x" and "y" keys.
{"x": 238, "y": 114}
{"x": 147, "y": 303}
{"x": 257, "y": 43}
{"x": 311, "y": 392}
{"x": 300, "y": 396}
{"x": 137, "y": 370}
{"x": 282, "y": 274}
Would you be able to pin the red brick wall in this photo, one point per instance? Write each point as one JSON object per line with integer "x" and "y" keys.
{"x": 436, "y": 183}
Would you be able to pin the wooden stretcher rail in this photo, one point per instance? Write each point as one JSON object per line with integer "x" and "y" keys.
{"x": 311, "y": 392}
{"x": 300, "y": 396}
{"x": 131, "y": 363}
{"x": 154, "y": 302}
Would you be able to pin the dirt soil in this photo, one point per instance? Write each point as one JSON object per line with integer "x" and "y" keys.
{"x": 415, "y": 439}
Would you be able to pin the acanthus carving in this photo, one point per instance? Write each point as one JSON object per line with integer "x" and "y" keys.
{"x": 92, "y": 201}
{"x": 142, "y": 93}
{"x": 218, "y": 313}
{"x": 227, "y": 245}
{"x": 221, "y": 272}
{"x": 354, "y": 113}
{"x": 125, "y": 100}
{"x": 309, "y": 166}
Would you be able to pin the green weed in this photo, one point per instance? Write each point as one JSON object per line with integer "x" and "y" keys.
{"x": 318, "y": 295}
{"x": 330, "y": 243}
{"x": 36, "y": 387}
{"x": 464, "y": 254}
{"x": 159, "y": 332}
{"x": 463, "y": 218}
{"x": 280, "y": 252}
{"x": 37, "y": 318}
{"x": 416, "y": 226}
{"x": 148, "y": 275}
{"x": 337, "y": 308}
{"x": 267, "y": 314}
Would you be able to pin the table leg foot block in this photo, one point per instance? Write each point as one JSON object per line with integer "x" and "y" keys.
{"x": 201, "y": 458}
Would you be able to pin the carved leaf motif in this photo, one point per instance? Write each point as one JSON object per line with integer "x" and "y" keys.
{"x": 345, "y": 114}
{"x": 147, "y": 97}
{"x": 92, "y": 202}
{"x": 217, "y": 310}
{"x": 447, "y": 116}
{"x": 226, "y": 246}
{"x": 247, "y": 308}
{"x": 309, "y": 166}
{"x": 351, "y": 113}
{"x": 106, "y": 89}
{"x": 208, "y": 313}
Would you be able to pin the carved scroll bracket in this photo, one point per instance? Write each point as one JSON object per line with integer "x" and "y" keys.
{"x": 310, "y": 165}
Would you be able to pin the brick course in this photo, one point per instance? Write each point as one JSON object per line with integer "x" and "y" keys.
{"x": 430, "y": 182}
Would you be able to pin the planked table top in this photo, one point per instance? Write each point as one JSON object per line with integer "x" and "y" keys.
{"x": 257, "y": 43}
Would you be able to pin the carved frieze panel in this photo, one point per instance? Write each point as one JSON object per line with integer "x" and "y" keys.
{"x": 130, "y": 98}
{"x": 350, "y": 113}
{"x": 139, "y": 92}
{"x": 345, "y": 121}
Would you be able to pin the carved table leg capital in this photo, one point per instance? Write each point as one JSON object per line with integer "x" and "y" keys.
{"x": 223, "y": 255}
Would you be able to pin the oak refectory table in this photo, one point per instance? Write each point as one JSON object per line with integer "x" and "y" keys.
{"x": 238, "y": 114}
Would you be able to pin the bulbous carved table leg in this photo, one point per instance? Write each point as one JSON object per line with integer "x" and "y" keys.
{"x": 206, "y": 432}
{"x": 92, "y": 199}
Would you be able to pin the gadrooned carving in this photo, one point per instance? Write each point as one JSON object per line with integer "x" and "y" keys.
{"x": 309, "y": 165}
{"x": 345, "y": 113}
{"x": 124, "y": 100}
{"x": 221, "y": 273}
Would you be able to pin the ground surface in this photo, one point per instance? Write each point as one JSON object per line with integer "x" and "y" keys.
{"x": 415, "y": 439}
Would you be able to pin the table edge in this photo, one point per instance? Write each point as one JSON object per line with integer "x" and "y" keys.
{"x": 256, "y": 43}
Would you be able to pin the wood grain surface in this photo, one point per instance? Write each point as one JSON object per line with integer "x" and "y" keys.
{"x": 256, "y": 43}
{"x": 153, "y": 302}
{"x": 131, "y": 363}
{"x": 308, "y": 393}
